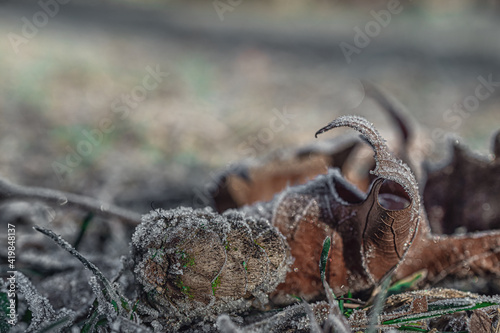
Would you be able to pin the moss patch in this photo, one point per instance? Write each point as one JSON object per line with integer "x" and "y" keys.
{"x": 215, "y": 284}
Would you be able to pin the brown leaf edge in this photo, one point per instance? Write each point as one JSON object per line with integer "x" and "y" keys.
{"x": 464, "y": 193}
{"x": 466, "y": 255}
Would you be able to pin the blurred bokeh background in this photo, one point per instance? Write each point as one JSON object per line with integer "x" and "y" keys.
{"x": 140, "y": 101}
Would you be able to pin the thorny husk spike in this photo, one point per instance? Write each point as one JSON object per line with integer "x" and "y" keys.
{"x": 387, "y": 165}
{"x": 412, "y": 145}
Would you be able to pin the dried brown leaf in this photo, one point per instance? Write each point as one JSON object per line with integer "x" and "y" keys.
{"x": 464, "y": 193}
{"x": 260, "y": 180}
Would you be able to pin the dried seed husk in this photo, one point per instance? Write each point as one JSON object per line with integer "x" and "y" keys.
{"x": 370, "y": 233}
{"x": 192, "y": 263}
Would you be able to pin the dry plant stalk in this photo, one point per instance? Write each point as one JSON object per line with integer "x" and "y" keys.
{"x": 10, "y": 191}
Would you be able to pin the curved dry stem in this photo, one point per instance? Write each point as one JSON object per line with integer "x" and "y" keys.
{"x": 387, "y": 165}
{"x": 10, "y": 191}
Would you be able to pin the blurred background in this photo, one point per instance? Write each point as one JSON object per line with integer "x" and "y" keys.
{"x": 141, "y": 101}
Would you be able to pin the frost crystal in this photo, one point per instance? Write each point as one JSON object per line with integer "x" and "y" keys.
{"x": 225, "y": 325}
{"x": 43, "y": 314}
{"x": 104, "y": 308}
{"x": 195, "y": 264}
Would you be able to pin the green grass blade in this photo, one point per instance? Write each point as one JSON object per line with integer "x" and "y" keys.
{"x": 408, "y": 319}
{"x": 83, "y": 229}
{"x": 324, "y": 257}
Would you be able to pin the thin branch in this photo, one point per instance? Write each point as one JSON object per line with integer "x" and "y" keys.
{"x": 10, "y": 191}
{"x": 66, "y": 246}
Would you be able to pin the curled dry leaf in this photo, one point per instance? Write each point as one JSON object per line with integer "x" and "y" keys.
{"x": 194, "y": 264}
{"x": 260, "y": 180}
{"x": 465, "y": 192}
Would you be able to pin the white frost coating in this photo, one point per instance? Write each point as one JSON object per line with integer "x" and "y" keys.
{"x": 365, "y": 260}
{"x": 335, "y": 173}
{"x": 338, "y": 323}
{"x": 104, "y": 308}
{"x": 158, "y": 220}
{"x": 43, "y": 314}
{"x": 387, "y": 165}
{"x": 179, "y": 255}
{"x": 225, "y": 325}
